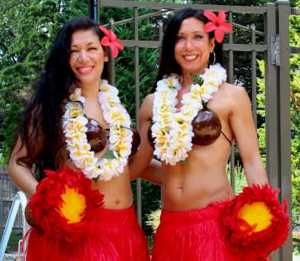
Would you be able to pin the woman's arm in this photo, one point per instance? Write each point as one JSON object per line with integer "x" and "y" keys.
{"x": 242, "y": 124}
{"x": 139, "y": 164}
{"x": 153, "y": 172}
{"x": 22, "y": 176}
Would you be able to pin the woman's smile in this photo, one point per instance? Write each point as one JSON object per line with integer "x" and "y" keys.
{"x": 192, "y": 47}
{"x": 190, "y": 57}
{"x": 84, "y": 70}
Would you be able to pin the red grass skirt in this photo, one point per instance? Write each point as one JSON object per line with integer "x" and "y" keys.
{"x": 193, "y": 235}
{"x": 115, "y": 236}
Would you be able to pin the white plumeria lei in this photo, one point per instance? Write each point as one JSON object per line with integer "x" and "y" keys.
{"x": 120, "y": 138}
{"x": 172, "y": 130}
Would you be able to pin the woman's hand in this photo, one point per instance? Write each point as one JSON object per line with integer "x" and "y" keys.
{"x": 29, "y": 218}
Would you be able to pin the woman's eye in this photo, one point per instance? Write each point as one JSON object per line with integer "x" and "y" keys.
{"x": 179, "y": 38}
{"x": 198, "y": 36}
{"x": 74, "y": 51}
{"x": 92, "y": 49}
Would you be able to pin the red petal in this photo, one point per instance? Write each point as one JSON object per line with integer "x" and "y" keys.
{"x": 110, "y": 34}
{"x": 260, "y": 243}
{"x": 114, "y": 51}
{"x": 105, "y": 41}
{"x": 47, "y": 199}
{"x": 119, "y": 44}
{"x": 219, "y": 35}
{"x": 209, "y": 27}
{"x": 226, "y": 27}
{"x": 210, "y": 15}
{"x": 104, "y": 30}
{"x": 221, "y": 17}
{"x": 113, "y": 36}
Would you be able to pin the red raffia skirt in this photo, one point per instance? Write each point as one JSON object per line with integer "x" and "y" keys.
{"x": 115, "y": 236}
{"x": 192, "y": 235}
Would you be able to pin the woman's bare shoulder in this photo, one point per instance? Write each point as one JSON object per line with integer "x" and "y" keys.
{"x": 235, "y": 90}
{"x": 236, "y": 93}
{"x": 149, "y": 99}
{"x": 146, "y": 107}
{"x": 238, "y": 99}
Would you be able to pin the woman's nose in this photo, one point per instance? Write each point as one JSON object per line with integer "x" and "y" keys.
{"x": 82, "y": 56}
{"x": 189, "y": 44}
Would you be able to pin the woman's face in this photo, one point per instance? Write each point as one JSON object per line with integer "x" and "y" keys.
{"x": 193, "y": 46}
{"x": 87, "y": 56}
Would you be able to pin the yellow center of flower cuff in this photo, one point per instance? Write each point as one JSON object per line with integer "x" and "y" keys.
{"x": 73, "y": 205}
{"x": 257, "y": 215}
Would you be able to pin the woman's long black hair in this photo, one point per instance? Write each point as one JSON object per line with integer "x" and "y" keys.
{"x": 168, "y": 64}
{"x": 41, "y": 129}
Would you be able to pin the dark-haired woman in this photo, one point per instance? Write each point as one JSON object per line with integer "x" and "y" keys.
{"x": 191, "y": 120}
{"x": 76, "y": 134}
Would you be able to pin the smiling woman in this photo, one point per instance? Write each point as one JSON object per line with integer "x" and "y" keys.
{"x": 191, "y": 120}
{"x": 86, "y": 58}
{"x": 193, "y": 46}
{"x": 76, "y": 134}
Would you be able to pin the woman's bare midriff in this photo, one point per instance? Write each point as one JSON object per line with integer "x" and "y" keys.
{"x": 117, "y": 191}
{"x": 198, "y": 181}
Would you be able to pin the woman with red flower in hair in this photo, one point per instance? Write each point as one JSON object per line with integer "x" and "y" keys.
{"x": 189, "y": 124}
{"x": 71, "y": 155}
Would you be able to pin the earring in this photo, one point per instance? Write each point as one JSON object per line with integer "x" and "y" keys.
{"x": 213, "y": 58}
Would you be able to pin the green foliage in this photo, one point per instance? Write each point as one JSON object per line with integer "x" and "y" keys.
{"x": 295, "y": 131}
{"x": 150, "y": 202}
{"x": 240, "y": 178}
{"x": 235, "y": 2}
{"x": 153, "y": 219}
{"x": 294, "y": 32}
{"x": 12, "y": 245}
{"x": 27, "y": 31}
{"x": 125, "y": 67}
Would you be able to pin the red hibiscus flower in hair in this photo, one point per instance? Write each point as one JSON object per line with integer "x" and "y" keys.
{"x": 218, "y": 24}
{"x": 111, "y": 40}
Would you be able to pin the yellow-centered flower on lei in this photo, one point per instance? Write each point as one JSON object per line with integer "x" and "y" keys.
{"x": 120, "y": 135}
{"x": 172, "y": 129}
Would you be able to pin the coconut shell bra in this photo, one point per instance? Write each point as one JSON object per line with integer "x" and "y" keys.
{"x": 98, "y": 137}
{"x": 206, "y": 128}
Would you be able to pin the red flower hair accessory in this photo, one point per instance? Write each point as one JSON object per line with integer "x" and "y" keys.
{"x": 218, "y": 24}
{"x": 110, "y": 39}
{"x": 255, "y": 222}
{"x": 65, "y": 205}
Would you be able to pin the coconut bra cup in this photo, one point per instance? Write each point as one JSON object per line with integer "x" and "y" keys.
{"x": 98, "y": 136}
{"x": 206, "y": 127}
